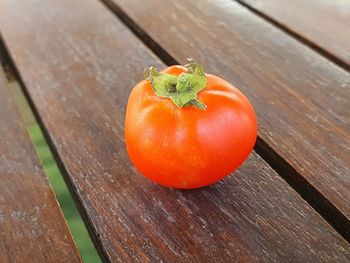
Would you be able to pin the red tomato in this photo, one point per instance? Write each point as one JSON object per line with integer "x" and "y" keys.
{"x": 188, "y": 147}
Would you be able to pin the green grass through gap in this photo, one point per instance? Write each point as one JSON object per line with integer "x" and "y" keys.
{"x": 74, "y": 220}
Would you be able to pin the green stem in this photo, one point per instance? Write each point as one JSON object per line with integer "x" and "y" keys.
{"x": 182, "y": 89}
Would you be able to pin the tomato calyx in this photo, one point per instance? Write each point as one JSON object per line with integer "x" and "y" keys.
{"x": 182, "y": 89}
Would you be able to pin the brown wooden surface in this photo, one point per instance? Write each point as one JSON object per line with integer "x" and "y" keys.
{"x": 302, "y": 100}
{"x": 322, "y": 22}
{"x": 32, "y": 227}
{"x": 79, "y": 67}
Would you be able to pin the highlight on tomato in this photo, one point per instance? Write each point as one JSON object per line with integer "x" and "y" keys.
{"x": 187, "y": 129}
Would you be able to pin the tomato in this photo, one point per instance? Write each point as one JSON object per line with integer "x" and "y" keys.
{"x": 192, "y": 141}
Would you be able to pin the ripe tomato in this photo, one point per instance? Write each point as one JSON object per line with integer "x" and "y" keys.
{"x": 192, "y": 145}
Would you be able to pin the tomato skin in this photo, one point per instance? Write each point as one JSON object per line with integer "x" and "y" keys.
{"x": 188, "y": 147}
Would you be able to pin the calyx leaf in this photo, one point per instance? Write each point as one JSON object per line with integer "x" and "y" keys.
{"x": 163, "y": 84}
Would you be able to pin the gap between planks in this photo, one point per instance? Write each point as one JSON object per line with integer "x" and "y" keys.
{"x": 304, "y": 40}
{"x": 13, "y": 73}
{"x": 40, "y": 213}
{"x": 308, "y": 192}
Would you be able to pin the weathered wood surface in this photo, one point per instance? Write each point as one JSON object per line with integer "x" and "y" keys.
{"x": 32, "y": 227}
{"x": 78, "y": 72}
{"x": 302, "y": 100}
{"x": 324, "y": 23}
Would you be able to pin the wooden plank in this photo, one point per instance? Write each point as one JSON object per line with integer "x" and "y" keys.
{"x": 323, "y": 23}
{"x": 302, "y": 100}
{"x": 86, "y": 63}
{"x": 32, "y": 226}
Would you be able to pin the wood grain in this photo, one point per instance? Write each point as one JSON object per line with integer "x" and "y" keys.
{"x": 32, "y": 227}
{"x": 78, "y": 68}
{"x": 321, "y": 22}
{"x": 301, "y": 99}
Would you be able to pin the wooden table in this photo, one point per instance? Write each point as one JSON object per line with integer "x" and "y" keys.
{"x": 77, "y": 62}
